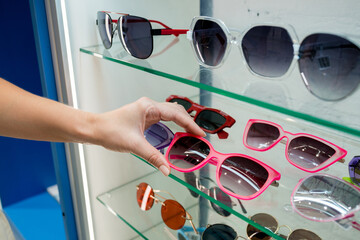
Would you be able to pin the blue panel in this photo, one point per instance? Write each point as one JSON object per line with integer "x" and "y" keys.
{"x": 26, "y": 167}
{"x": 38, "y": 218}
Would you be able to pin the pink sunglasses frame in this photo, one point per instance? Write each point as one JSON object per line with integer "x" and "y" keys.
{"x": 338, "y": 155}
{"x": 216, "y": 158}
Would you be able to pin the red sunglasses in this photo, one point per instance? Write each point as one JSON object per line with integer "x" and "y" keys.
{"x": 211, "y": 120}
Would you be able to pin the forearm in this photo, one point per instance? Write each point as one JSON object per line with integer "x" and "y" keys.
{"x": 24, "y": 115}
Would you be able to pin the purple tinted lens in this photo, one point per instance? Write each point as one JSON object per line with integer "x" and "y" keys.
{"x": 262, "y": 135}
{"x": 222, "y": 197}
{"x": 210, "y": 120}
{"x": 105, "y": 28}
{"x": 308, "y": 152}
{"x": 243, "y": 176}
{"x": 354, "y": 170}
{"x": 159, "y": 135}
{"x": 136, "y": 34}
{"x": 209, "y": 41}
{"x": 268, "y": 50}
{"x": 187, "y": 152}
{"x": 329, "y": 65}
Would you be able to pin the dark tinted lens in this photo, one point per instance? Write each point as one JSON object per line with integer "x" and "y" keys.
{"x": 264, "y": 220}
{"x": 268, "y": 50}
{"x": 242, "y": 176}
{"x": 219, "y": 232}
{"x": 210, "y": 120}
{"x": 209, "y": 41}
{"x": 354, "y": 170}
{"x": 157, "y": 135}
{"x": 136, "y": 34}
{"x": 187, "y": 152}
{"x": 309, "y": 153}
{"x": 262, "y": 135}
{"x": 105, "y": 28}
{"x": 182, "y": 102}
{"x": 329, "y": 65}
{"x": 191, "y": 179}
{"x": 302, "y": 234}
{"x": 222, "y": 197}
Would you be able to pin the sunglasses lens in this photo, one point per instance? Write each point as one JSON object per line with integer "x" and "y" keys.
{"x": 136, "y": 35}
{"x": 264, "y": 220}
{"x": 191, "y": 179}
{"x": 222, "y": 197}
{"x": 354, "y": 170}
{"x": 242, "y": 176}
{"x": 209, "y": 42}
{"x": 210, "y": 120}
{"x": 144, "y": 196}
{"x": 158, "y": 135}
{"x": 187, "y": 152}
{"x": 329, "y": 65}
{"x": 338, "y": 198}
{"x": 262, "y": 135}
{"x": 302, "y": 234}
{"x": 219, "y": 232}
{"x": 309, "y": 153}
{"x": 268, "y": 50}
{"x": 173, "y": 214}
{"x": 182, "y": 102}
{"x": 105, "y": 28}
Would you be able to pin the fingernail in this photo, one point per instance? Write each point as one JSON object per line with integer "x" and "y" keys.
{"x": 165, "y": 170}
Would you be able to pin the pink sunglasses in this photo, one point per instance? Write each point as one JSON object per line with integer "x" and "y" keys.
{"x": 237, "y": 175}
{"x": 305, "y": 151}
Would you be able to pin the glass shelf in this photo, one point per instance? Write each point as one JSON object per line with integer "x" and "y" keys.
{"x": 287, "y": 96}
{"x": 274, "y": 201}
{"x": 122, "y": 203}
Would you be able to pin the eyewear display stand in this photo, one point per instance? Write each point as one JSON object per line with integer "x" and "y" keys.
{"x": 148, "y": 225}
{"x": 285, "y": 102}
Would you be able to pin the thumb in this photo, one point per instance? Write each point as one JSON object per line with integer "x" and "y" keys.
{"x": 146, "y": 151}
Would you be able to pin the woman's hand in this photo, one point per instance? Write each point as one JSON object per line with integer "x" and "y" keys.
{"x": 123, "y": 129}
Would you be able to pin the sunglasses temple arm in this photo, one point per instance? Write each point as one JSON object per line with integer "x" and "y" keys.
{"x": 189, "y": 217}
{"x": 274, "y": 184}
{"x": 222, "y": 134}
{"x": 356, "y": 225}
{"x": 342, "y": 160}
{"x": 168, "y": 31}
{"x": 242, "y": 207}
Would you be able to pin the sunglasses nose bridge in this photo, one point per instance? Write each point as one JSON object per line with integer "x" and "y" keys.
{"x": 214, "y": 160}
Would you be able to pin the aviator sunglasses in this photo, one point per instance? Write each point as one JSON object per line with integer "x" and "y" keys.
{"x": 135, "y": 33}
{"x": 305, "y": 151}
{"x": 211, "y": 120}
{"x": 247, "y": 177}
{"x": 173, "y": 213}
{"x": 270, "y": 223}
{"x": 329, "y": 64}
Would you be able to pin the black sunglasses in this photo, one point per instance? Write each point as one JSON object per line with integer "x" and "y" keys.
{"x": 136, "y": 33}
